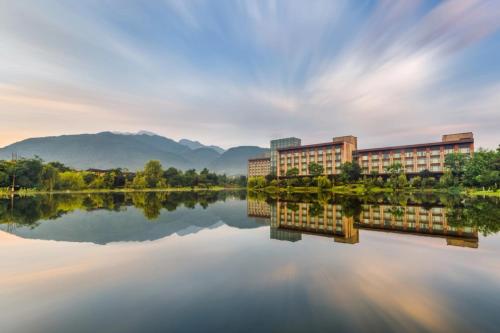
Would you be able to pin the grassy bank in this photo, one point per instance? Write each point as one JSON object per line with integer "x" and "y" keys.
{"x": 484, "y": 193}
{"x": 29, "y": 192}
{"x": 361, "y": 189}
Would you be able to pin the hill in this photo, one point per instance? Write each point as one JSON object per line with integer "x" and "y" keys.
{"x": 108, "y": 150}
{"x": 234, "y": 160}
{"x": 196, "y": 145}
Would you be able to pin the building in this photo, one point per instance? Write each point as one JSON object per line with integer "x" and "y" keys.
{"x": 260, "y": 166}
{"x": 279, "y": 144}
{"x": 288, "y": 154}
{"x": 417, "y": 157}
{"x": 331, "y": 155}
{"x": 417, "y": 220}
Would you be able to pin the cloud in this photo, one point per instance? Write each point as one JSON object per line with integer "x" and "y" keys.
{"x": 247, "y": 71}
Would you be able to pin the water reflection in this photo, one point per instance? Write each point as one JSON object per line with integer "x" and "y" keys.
{"x": 113, "y": 217}
{"x": 212, "y": 259}
{"x": 459, "y": 221}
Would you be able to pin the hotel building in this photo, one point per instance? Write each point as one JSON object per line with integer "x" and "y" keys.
{"x": 259, "y": 166}
{"x": 331, "y": 155}
{"x": 417, "y": 157}
{"x": 288, "y": 153}
{"x": 278, "y": 144}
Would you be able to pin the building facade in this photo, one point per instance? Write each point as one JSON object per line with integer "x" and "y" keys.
{"x": 331, "y": 155}
{"x": 288, "y": 154}
{"x": 260, "y": 166}
{"x": 279, "y": 144}
{"x": 417, "y": 157}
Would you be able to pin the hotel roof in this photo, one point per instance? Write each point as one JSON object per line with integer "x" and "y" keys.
{"x": 317, "y": 145}
{"x": 419, "y": 145}
{"x": 259, "y": 159}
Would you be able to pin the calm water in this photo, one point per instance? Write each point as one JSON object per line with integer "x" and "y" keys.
{"x": 216, "y": 262}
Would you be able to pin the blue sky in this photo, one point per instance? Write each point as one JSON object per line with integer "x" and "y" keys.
{"x": 243, "y": 72}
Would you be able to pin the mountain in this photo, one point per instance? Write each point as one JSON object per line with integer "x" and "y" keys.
{"x": 196, "y": 145}
{"x": 234, "y": 160}
{"x": 108, "y": 150}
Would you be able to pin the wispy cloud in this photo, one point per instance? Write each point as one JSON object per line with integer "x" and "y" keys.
{"x": 243, "y": 72}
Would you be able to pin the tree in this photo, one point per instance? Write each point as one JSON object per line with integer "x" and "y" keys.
{"x": 257, "y": 182}
{"x": 270, "y": 177}
{"x": 28, "y": 172}
{"x": 402, "y": 181}
{"x": 456, "y": 163}
{"x": 350, "y": 172}
{"x": 153, "y": 174}
{"x": 323, "y": 183}
{"x": 425, "y": 174}
{"x": 483, "y": 169}
{"x": 428, "y": 182}
{"x": 292, "y": 172}
{"x": 71, "y": 180}
{"x": 315, "y": 169}
{"x": 49, "y": 177}
{"x": 416, "y": 182}
{"x": 447, "y": 180}
{"x": 395, "y": 170}
{"x": 190, "y": 178}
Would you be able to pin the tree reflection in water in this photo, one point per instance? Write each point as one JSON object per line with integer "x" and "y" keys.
{"x": 27, "y": 211}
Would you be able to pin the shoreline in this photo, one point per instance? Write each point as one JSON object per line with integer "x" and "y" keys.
{"x": 362, "y": 190}
{"x": 121, "y": 190}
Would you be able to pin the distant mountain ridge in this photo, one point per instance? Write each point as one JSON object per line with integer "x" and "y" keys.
{"x": 196, "y": 145}
{"x": 108, "y": 150}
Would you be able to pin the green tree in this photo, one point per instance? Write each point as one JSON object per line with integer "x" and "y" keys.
{"x": 350, "y": 172}
{"x": 416, "y": 182}
{"x": 428, "y": 182}
{"x": 456, "y": 163}
{"x": 315, "y": 169}
{"x": 323, "y": 183}
{"x": 71, "y": 180}
{"x": 483, "y": 169}
{"x": 49, "y": 177}
{"x": 395, "y": 170}
{"x": 153, "y": 174}
{"x": 190, "y": 178}
{"x": 292, "y": 172}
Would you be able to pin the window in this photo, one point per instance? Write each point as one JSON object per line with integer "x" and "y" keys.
{"x": 465, "y": 150}
{"x": 365, "y": 158}
{"x": 409, "y": 154}
{"x": 421, "y": 153}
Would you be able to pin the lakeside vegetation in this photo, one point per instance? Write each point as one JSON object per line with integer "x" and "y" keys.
{"x": 476, "y": 175}
{"x": 28, "y": 176}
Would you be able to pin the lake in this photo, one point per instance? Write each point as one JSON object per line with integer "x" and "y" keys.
{"x": 228, "y": 261}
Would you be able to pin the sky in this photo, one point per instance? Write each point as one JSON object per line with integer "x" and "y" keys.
{"x": 243, "y": 72}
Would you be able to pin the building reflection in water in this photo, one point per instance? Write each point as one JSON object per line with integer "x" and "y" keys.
{"x": 417, "y": 220}
{"x": 289, "y": 220}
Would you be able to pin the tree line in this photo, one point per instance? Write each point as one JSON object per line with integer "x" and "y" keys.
{"x": 33, "y": 173}
{"x": 481, "y": 170}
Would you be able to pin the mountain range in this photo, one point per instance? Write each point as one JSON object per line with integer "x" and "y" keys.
{"x": 108, "y": 150}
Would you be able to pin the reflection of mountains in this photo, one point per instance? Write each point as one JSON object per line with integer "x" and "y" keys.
{"x": 458, "y": 221}
{"x": 68, "y": 219}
